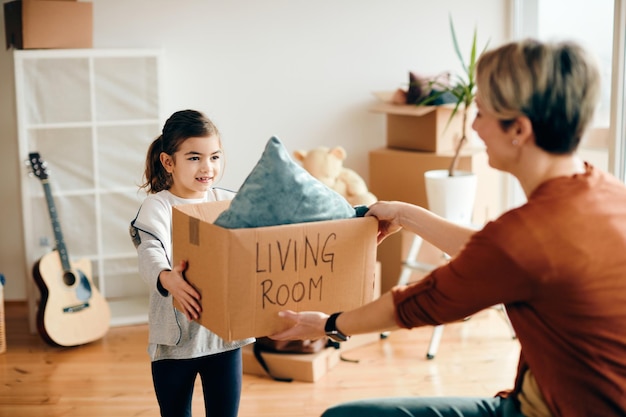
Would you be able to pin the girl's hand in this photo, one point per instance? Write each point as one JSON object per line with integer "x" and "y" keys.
{"x": 187, "y": 296}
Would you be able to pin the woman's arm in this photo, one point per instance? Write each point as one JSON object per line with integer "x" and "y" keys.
{"x": 444, "y": 234}
{"x": 376, "y": 316}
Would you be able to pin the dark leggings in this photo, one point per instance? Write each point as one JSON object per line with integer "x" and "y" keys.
{"x": 221, "y": 384}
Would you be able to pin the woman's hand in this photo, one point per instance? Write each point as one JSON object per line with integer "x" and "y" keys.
{"x": 306, "y": 325}
{"x": 387, "y": 214}
{"x": 186, "y": 295}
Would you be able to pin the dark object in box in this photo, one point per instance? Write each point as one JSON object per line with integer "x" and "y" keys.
{"x": 48, "y": 24}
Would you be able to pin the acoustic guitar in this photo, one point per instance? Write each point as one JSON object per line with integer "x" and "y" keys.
{"x": 71, "y": 311}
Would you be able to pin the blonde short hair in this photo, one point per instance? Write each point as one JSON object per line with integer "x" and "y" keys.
{"x": 555, "y": 85}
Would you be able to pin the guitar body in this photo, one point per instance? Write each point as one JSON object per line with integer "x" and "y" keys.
{"x": 71, "y": 310}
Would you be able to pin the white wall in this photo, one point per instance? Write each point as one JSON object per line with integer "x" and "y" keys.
{"x": 303, "y": 71}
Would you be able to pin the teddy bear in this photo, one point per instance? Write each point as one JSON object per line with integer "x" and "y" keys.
{"x": 326, "y": 165}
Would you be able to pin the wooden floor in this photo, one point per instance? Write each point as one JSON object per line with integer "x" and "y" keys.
{"x": 111, "y": 377}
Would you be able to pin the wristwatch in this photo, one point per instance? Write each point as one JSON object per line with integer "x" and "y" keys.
{"x": 332, "y": 331}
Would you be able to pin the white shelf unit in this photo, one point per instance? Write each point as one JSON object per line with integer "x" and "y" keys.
{"x": 91, "y": 114}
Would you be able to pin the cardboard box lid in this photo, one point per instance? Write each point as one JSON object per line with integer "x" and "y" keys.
{"x": 408, "y": 109}
{"x": 246, "y": 276}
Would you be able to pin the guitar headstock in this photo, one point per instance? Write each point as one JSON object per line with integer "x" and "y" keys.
{"x": 38, "y": 165}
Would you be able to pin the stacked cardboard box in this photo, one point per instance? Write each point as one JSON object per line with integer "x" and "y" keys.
{"x": 420, "y": 128}
{"x": 48, "y": 24}
{"x": 419, "y": 139}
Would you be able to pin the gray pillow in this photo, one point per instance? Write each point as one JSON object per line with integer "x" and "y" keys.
{"x": 280, "y": 191}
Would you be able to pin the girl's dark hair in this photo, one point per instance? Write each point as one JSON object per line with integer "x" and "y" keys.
{"x": 181, "y": 126}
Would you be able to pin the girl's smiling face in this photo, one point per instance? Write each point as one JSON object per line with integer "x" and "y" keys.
{"x": 195, "y": 166}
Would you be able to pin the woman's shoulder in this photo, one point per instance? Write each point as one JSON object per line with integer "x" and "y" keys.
{"x": 510, "y": 227}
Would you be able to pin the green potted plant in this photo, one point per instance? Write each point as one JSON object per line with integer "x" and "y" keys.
{"x": 451, "y": 193}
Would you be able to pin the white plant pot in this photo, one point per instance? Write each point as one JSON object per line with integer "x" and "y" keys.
{"x": 451, "y": 197}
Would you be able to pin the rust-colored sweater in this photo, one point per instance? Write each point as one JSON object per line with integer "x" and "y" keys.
{"x": 558, "y": 263}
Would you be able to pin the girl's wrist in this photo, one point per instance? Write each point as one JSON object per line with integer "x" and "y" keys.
{"x": 160, "y": 287}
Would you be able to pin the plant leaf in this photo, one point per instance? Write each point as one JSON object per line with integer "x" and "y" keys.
{"x": 456, "y": 44}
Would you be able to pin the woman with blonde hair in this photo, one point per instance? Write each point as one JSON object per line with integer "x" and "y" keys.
{"x": 557, "y": 262}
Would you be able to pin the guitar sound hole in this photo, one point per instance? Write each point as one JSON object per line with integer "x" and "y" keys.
{"x": 69, "y": 278}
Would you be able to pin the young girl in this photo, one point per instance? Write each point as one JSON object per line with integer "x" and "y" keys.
{"x": 182, "y": 166}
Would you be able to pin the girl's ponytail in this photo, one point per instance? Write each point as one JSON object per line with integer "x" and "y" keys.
{"x": 157, "y": 178}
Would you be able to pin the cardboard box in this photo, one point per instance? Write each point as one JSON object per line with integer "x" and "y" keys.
{"x": 359, "y": 340}
{"x": 246, "y": 276}
{"x": 399, "y": 175}
{"x": 48, "y": 24}
{"x": 421, "y": 128}
{"x": 308, "y": 367}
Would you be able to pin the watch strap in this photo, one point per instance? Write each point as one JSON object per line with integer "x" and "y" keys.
{"x": 331, "y": 328}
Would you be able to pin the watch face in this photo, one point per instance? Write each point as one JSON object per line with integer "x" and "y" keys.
{"x": 337, "y": 337}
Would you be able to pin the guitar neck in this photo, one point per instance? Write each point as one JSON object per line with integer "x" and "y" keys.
{"x": 56, "y": 226}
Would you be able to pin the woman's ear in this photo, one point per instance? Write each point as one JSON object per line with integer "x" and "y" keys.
{"x": 522, "y": 130}
{"x": 167, "y": 161}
